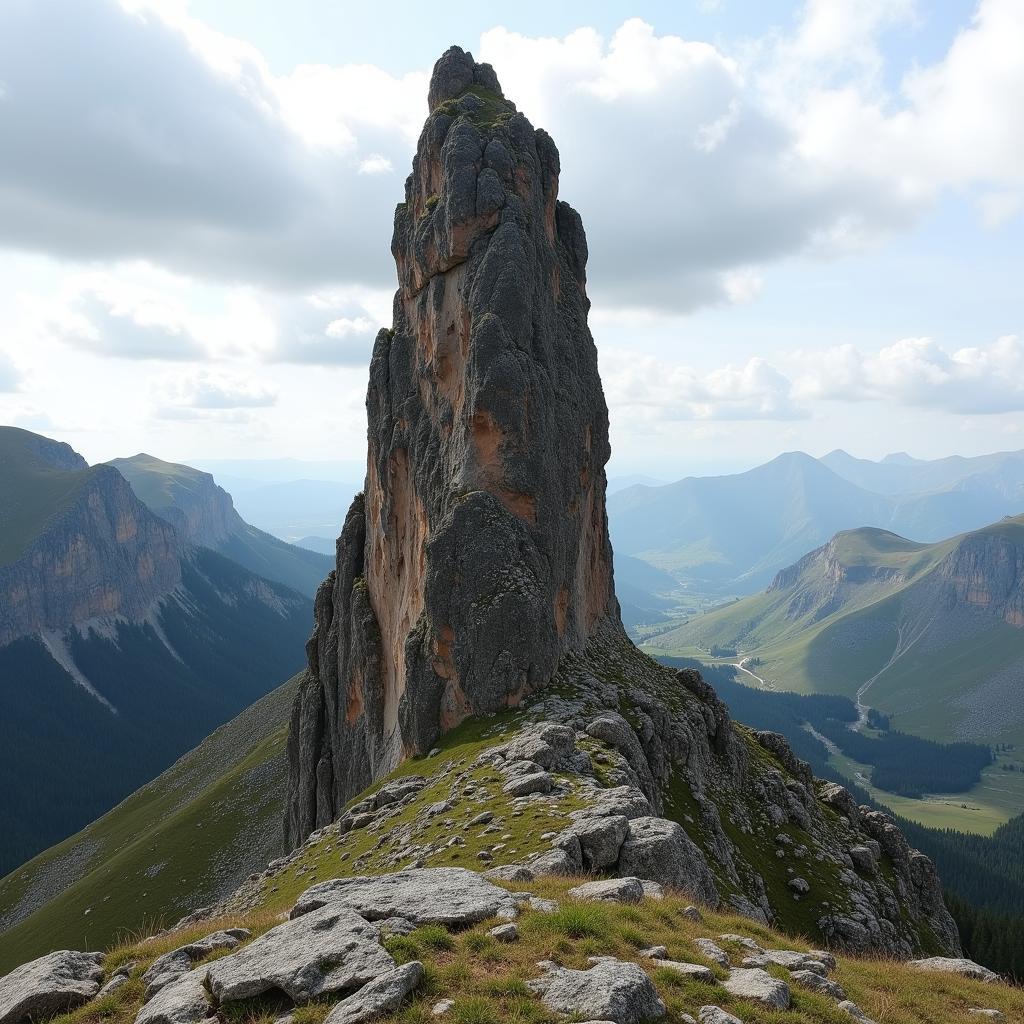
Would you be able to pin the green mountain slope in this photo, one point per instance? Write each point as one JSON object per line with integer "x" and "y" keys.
{"x": 204, "y": 514}
{"x": 183, "y": 840}
{"x": 930, "y": 634}
{"x": 41, "y": 478}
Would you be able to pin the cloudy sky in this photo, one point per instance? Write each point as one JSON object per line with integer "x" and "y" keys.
{"x": 806, "y": 220}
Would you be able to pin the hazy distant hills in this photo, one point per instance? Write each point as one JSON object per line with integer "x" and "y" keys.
{"x": 932, "y": 634}
{"x": 123, "y": 640}
{"x": 204, "y": 513}
{"x": 731, "y": 534}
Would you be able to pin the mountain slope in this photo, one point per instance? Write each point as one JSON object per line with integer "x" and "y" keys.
{"x": 931, "y": 634}
{"x": 121, "y": 644}
{"x": 185, "y": 839}
{"x": 204, "y": 514}
{"x": 737, "y": 531}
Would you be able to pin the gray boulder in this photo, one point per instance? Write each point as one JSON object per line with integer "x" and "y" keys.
{"x": 816, "y": 983}
{"x": 549, "y": 744}
{"x": 183, "y": 1001}
{"x": 660, "y": 850}
{"x": 328, "y": 950}
{"x": 454, "y": 896}
{"x": 611, "y": 890}
{"x": 716, "y": 1015}
{"x": 50, "y": 985}
{"x": 696, "y": 971}
{"x": 758, "y": 985}
{"x": 855, "y": 1012}
{"x": 955, "y": 965}
{"x": 553, "y": 862}
{"x": 627, "y": 801}
{"x": 601, "y": 839}
{"x": 524, "y": 785}
{"x": 611, "y": 990}
{"x": 712, "y": 951}
{"x": 170, "y": 966}
{"x": 382, "y": 995}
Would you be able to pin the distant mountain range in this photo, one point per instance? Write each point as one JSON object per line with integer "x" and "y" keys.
{"x": 131, "y": 625}
{"x": 732, "y": 534}
{"x": 931, "y": 634}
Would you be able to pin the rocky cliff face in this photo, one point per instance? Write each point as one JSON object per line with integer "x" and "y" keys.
{"x": 474, "y": 576}
{"x": 199, "y": 509}
{"x": 986, "y": 571}
{"x": 478, "y": 554}
{"x": 104, "y": 556}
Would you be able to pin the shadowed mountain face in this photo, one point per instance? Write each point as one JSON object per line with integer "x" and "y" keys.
{"x": 479, "y": 553}
{"x": 122, "y": 642}
{"x": 204, "y": 514}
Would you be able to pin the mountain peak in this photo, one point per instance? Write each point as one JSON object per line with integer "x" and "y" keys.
{"x": 478, "y": 555}
{"x": 455, "y": 73}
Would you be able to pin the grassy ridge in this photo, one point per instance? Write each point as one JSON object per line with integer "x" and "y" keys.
{"x": 32, "y": 493}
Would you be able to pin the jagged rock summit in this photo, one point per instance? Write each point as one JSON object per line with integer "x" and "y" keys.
{"x": 474, "y": 578}
{"x": 478, "y": 553}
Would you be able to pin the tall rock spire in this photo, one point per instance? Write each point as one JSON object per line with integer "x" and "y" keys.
{"x": 478, "y": 553}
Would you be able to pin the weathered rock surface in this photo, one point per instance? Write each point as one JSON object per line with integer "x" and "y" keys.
{"x": 182, "y": 1001}
{"x": 696, "y": 971}
{"x": 758, "y": 985}
{"x": 660, "y": 850}
{"x": 613, "y": 890}
{"x": 611, "y": 990}
{"x": 816, "y": 983}
{"x": 50, "y": 985}
{"x": 170, "y": 966}
{"x": 478, "y": 553}
{"x": 328, "y": 950}
{"x": 716, "y": 1015}
{"x": 378, "y": 997}
{"x": 450, "y": 896}
{"x": 955, "y": 965}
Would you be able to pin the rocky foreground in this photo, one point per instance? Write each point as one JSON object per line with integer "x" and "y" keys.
{"x": 453, "y": 944}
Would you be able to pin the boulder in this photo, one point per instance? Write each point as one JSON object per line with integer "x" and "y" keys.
{"x": 611, "y": 990}
{"x": 182, "y": 1001}
{"x": 553, "y": 862}
{"x": 600, "y": 839}
{"x": 50, "y": 985}
{"x": 549, "y": 744}
{"x": 855, "y": 1012}
{"x": 758, "y": 985}
{"x": 655, "y": 952}
{"x": 977, "y": 1011}
{"x": 328, "y": 950}
{"x": 378, "y": 997}
{"x": 955, "y": 965}
{"x": 524, "y": 785}
{"x": 712, "y": 951}
{"x": 816, "y": 983}
{"x": 449, "y": 896}
{"x": 696, "y": 971}
{"x": 863, "y": 859}
{"x": 613, "y": 890}
{"x": 170, "y": 966}
{"x": 627, "y": 801}
{"x": 716, "y": 1015}
{"x": 660, "y": 850}
{"x": 791, "y": 959}
{"x": 505, "y": 932}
